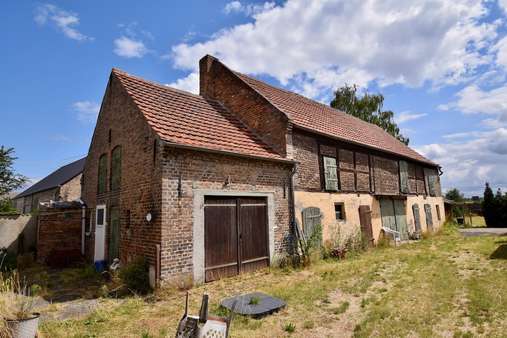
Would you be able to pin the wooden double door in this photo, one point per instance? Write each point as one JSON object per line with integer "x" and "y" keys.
{"x": 394, "y": 215}
{"x": 236, "y": 235}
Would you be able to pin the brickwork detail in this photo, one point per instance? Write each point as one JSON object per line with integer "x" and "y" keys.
{"x": 191, "y": 171}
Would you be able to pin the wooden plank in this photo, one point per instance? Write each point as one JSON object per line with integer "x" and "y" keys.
{"x": 220, "y": 237}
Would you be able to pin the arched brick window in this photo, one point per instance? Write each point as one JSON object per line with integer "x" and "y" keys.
{"x": 116, "y": 168}
{"x": 102, "y": 172}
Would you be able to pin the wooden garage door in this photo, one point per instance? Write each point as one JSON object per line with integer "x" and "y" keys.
{"x": 236, "y": 235}
{"x": 394, "y": 215}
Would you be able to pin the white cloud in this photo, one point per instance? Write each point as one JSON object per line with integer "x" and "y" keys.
{"x": 473, "y": 100}
{"x": 315, "y": 46}
{"x": 189, "y": 83}
{"x": 247, "y": 9}
{"x": 468, "y": 164}
{"x": 65, "y": 21}
{"x": 129, "y": 48}
{"x": 87, "y": 111}
{"x": 408, "y": 116}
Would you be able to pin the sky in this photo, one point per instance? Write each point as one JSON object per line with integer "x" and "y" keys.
{"x": 441, "y": 65}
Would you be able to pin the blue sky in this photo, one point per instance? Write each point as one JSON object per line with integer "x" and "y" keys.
{"x": 440, "y": 64}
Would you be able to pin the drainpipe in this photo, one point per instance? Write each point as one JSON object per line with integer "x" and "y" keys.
{"x": 292, "y": 206}
{"x": 83, "y": 226}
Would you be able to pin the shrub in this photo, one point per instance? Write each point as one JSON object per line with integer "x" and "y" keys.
{"x": 8, "y": 261}
{"x": 135, "y": 276}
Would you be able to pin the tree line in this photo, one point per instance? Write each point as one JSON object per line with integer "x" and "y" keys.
{"x": 494, "y": 208}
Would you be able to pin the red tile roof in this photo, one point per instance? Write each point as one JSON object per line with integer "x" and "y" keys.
{"x": 317, "y": 117}
{"x": 190, "y": 120}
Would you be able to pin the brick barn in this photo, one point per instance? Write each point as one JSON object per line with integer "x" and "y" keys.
{"x": 208, "y": 185}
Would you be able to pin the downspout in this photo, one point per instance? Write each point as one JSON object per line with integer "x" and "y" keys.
{"x": 83, "y": 226}
{"x": 292, "y": 207}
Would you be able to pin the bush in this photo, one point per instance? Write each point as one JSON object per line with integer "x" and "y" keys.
{"x": 135, "y": 276}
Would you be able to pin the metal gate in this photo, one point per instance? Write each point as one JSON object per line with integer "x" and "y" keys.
{"x": 236, "y": 235}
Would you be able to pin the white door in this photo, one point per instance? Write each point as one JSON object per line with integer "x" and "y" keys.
{"x": 100, "y": 232}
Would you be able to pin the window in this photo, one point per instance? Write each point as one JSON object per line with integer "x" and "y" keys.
{"x": 330, "y": 176}
{"x": 339, "y": 211}
{"x": 403, "y": 177}
{"x": 109, "y": 136}
{"x": 116, "y": 168}
{"x": 438, "y": 212}
{"x": 102, "y": 174}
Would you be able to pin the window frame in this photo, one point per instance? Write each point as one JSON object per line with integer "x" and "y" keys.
{"x": 342, "y": 212}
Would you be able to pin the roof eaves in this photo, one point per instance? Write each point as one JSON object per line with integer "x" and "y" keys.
{"x": 226, "y": 152}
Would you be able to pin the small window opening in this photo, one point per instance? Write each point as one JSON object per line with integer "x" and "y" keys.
{"x": 438, "y": 212}
{"x": 109, "y": 138}
{"x": 339, "y": 210}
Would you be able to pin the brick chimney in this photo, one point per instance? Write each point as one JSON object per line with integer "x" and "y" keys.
{"x": 205, "y": 74}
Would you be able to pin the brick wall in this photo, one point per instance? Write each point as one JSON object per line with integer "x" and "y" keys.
{"x": 219, "y": 83}
{"x": 59, "y": 231}
{"x": 140, "y": 188}
{"x": 386, "y": 176}
{"x": 200, "y": 170}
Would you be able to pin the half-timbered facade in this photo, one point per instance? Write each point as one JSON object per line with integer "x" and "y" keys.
{"x": 211, "y": 185}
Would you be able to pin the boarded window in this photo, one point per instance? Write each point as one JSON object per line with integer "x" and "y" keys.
{"x": 429, "y": 217}
{"x": 330, "y": 175}
{"x": 311, "y": 218}
{"x": 116, "y": 168}
{"x": 347, "y": 176}
{"x": 403, "y": 177}
{"x": 431, "y": 179}
{"x": 417, "y": 217}
{"x": 102, "y": 174}
{"x": 362, "y": 172}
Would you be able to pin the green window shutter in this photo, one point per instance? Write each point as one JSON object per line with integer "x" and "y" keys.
{"x": 116, "y": 168}
{"x": 429, "y": 217}
{"x": 102, "y": 179}
{"x": 311, "y": 218}
{"x": 404, "y": 177}
{"x": 431, "y": 181}
{"x": 330, "y": 174}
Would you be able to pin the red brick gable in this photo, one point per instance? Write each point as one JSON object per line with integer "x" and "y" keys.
{"x": 186, "y": 119}
{"x": 322, "y": 119}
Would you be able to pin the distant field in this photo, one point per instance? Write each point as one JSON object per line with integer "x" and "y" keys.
{"x": 477, "y": 221}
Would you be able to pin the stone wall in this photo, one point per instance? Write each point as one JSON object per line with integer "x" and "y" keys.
{"x": 71, "y": 190}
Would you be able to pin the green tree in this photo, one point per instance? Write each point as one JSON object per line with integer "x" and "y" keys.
{"x": 488, "y": 207}
{"x": 454, "y": 195}
{"x": 368, "y": 108}
{"x": 9, "y": 179}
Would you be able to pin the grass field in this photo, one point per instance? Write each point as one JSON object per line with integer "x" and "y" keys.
{"x": 443, "y": 286}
